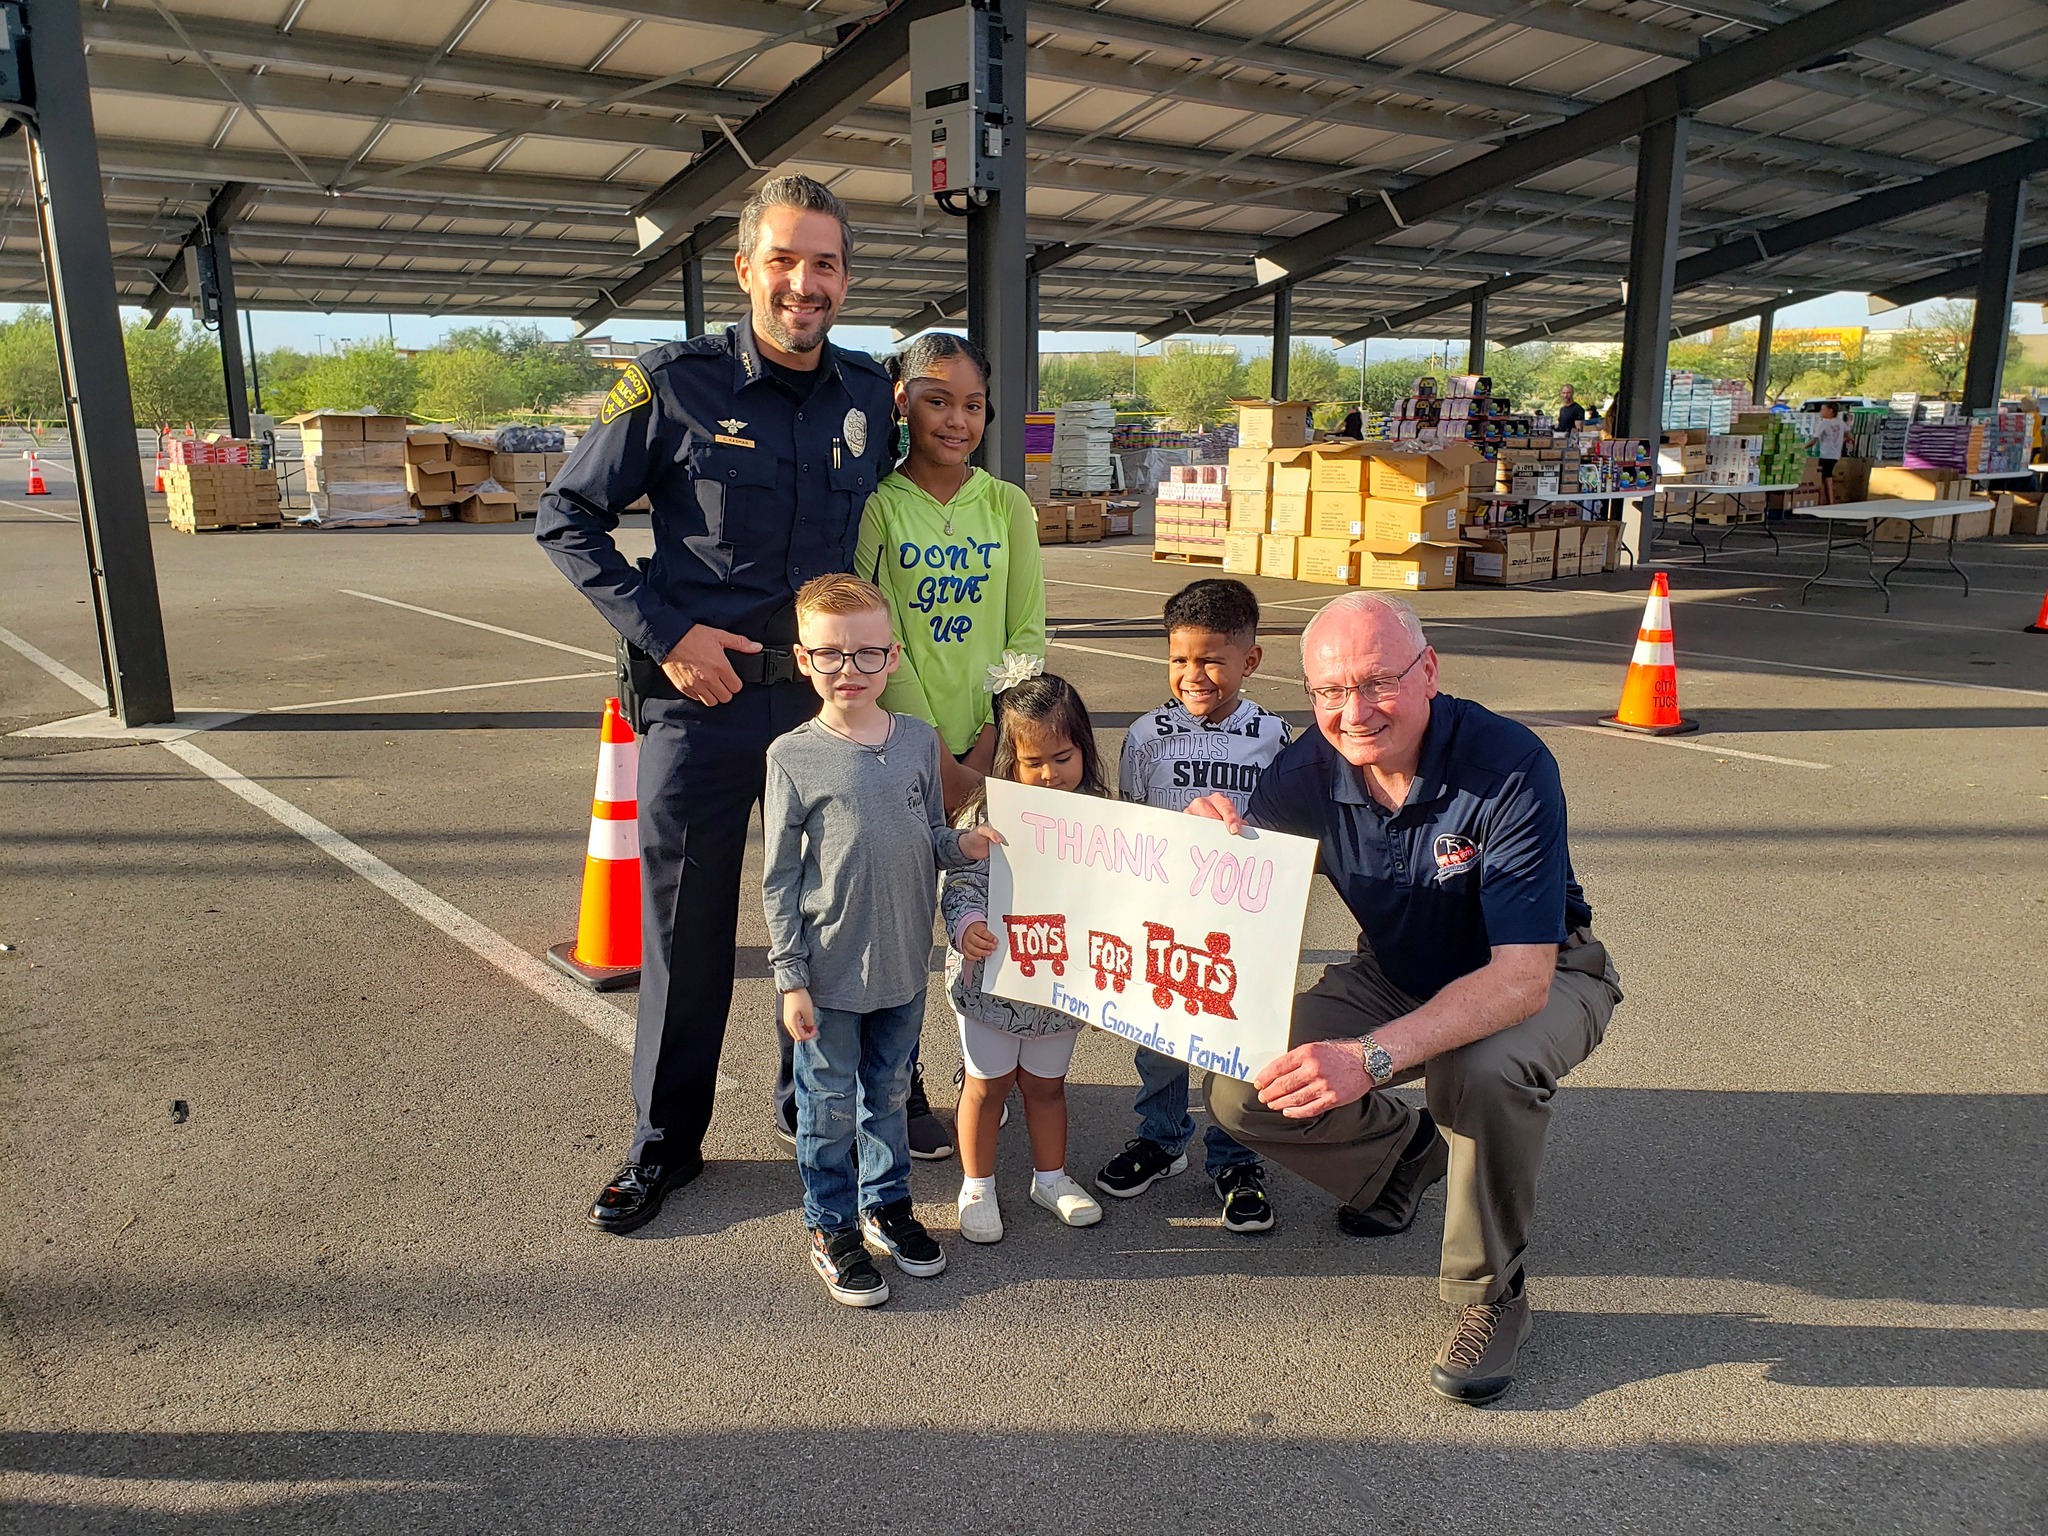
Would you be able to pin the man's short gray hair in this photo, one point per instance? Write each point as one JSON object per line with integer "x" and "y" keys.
{"x": 792, "y": 192}
{"x": 1364, "y": 605}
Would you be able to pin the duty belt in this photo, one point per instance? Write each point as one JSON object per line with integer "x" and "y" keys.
{"x": 770, "y": 664}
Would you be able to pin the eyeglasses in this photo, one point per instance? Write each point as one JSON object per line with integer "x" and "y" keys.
{"x": 829, "y": 662}
{"x": 1380, "y": 690}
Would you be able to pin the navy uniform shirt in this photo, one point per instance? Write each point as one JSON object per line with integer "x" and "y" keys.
{"x": 1475, "y": 857}
{"x": 755, "y": 487}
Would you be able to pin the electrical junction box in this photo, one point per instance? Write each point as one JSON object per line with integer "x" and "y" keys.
{"x": 956, "y": 99}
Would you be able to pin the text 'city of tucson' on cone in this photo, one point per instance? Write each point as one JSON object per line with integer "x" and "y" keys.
{"x": 1649, "y": 698}
{"x": 606, "y": 953}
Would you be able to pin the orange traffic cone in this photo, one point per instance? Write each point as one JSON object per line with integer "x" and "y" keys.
{"x": 606, "y": 953}
{"x": 1649, "y": 699}
{"x": 36, "y": 487}
{"x": 2040, "y": 625}
{"x": 159, "y": 471}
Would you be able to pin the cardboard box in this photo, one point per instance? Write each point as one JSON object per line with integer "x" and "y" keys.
{"x": 1117, "y": 522}
{"x": 1249, "y": 470}
{"x": 1422, "y": 476}
{"x": 1504, "y": 559}
{"x": 1085, "y": 521}
{"x": 432, "y": 488}
{"x": 471, "y": 474}
{"x": 1241, "y": 553}
{"x": 1052, "y": 523}
{"x": 471, "y": 451}
{"x": 1597, "y": 545}
{"x": 526, "y": 497}
{"x": 1390, "y": 526}
{"x": 1973, "y": 525}
{"x": 552, "y": 464}
{"x": 2029, "y": 512}
{"x": 1893, "y": 530}
{"x": 1335, "y": 514}
{"x": 329, "y": 427}
{"x": 1330, "y": 562}
{"x": 519, "y": 468}
{"x": 426, "y": 446}
{"x": 1250, "y": 511}
{"x": 382, "y": 455}
{"x": 1418, "y": 568}
{"x": 1342, "y": 469}
{"x": 489, "y": 507}
{"x": 1852, "y": 479}
{"x": 1890, "y": 482}
{"x": 384, "y": 429}
{"x": 2001, "y": 514}
{"x": 1278, "y": 555}
{"x": 1571, "y": 540}
{"x": 1272, "y": 423}
{"x": 1288, "y": 512}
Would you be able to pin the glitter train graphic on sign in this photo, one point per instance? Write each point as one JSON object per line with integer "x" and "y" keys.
{"x": 1156, "y": 926}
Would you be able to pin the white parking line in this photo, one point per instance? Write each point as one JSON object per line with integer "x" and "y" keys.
{"x": 422, "y": 693}
{"x": 1666, "y": 741}
{"x": 62, "y": 517}
{"x": 495, "y": 629}
{"x": 50, "y": 664}
{"x": 1099, "y": 586}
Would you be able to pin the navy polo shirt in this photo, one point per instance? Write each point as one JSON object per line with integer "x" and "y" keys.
{"x": 755, "y": 486}
{"x": 1475, "y": 857}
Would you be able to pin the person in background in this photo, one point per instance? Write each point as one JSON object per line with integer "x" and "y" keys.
{"x": 1570, "y": 414}
{"x": 1829, "y": 435}
{"x": 1209, "y": 738}
{"x": 955, "y": 551}
{"x": 1353, "y": 425}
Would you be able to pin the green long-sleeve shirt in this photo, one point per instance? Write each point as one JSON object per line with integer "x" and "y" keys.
{"x": 964, "y": 585}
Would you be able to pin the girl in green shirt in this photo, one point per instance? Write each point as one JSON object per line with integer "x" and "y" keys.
{"x": 956, "y": 552}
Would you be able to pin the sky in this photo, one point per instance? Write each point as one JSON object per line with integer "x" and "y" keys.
{"x": 314, "y": 332}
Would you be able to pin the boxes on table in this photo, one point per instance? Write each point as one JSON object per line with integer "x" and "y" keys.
{"x": 1272, "y": 423}
{"x": 1278, "y": 555}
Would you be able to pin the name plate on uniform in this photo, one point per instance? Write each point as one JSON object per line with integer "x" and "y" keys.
{"x": 1153, "y": 925}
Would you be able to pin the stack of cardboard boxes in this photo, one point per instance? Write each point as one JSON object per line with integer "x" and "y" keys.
{"x": 221, "y": 495}
{"x": 355, "y": 467}
{"x": 1192, "y": 514}
{"x": 448, "y": 474}
{"x": 1075, "y": 520}
{"x": 526, "y": 475}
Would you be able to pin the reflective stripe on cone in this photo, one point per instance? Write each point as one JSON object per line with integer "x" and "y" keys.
{"x": 1649, "y": 696}
{"x": 606, "y": 952}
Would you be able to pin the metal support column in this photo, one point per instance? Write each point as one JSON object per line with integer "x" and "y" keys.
{"x": 1760, "y": 376}
{"x": 1031, "y": 342}
{"x": 2004, "y": 211}
{"x": 234, "y": 370}
{"x": 1646, "y": 326}
{"x": 255, "y": 368}
{"x": 693, "y": 291}
{"x": 996, "y": 270}
{"x": 1475, "y": 338}
{"x": 64, "y": 173}
{"x": 1283, "y": 341}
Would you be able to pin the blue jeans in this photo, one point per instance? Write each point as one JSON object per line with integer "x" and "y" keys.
{"x": 852, "y": 1135}
{"x": 1162, "y": 1106}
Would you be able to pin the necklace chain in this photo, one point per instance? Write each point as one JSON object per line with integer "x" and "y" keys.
{"x": 879, "y": 753}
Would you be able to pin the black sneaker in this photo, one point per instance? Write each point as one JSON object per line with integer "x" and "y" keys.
{"x": 1242, "y": 1189}
{"x": 841, "y": 1259}
{"x": 895, "y": 1229}
{"x": 1138, "y": 1167}
{"x": 930, "y": 1141}
{"x": 1394, "y": 1211}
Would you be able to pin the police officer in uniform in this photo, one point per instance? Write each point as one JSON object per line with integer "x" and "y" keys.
{"x": 757, "y": 451}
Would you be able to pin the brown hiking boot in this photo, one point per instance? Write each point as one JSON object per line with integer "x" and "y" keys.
{"x": 1477, "y": 1364}
{"x": 1394, "y": 1211}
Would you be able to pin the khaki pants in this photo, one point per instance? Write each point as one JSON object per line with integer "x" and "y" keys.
{"x": 1490, "y": 1100}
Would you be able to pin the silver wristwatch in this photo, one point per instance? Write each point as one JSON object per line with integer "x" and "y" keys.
{"x": 1378, "y": 1063}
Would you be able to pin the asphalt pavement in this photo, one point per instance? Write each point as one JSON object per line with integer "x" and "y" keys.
{"x": 298, "y": 1141}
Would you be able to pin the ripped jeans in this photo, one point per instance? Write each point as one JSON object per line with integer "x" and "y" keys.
{"x": 852, "y": 1135}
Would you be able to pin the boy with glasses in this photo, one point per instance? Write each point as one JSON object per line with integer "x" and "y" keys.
{"x": 856, "y": 832}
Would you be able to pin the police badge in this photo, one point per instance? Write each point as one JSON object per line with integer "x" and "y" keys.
{"x": 856, "y": 430}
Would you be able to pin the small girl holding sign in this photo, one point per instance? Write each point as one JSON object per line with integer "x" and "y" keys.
{"x": 956, "y": 551}
{"x": 1043, "y": 738}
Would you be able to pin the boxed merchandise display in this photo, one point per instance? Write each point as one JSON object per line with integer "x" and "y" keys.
{"x": 202, "y": 497}
{"x": 1392, "y": 525}
{"x": 1422, "y": 476}
{"x": 1419, "y": 568}
{"x": 1249, "y": 470}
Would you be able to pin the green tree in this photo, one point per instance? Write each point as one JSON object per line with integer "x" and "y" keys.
{"x": 468, "y": 386}
{"x": 370, "y": 375}
{"x": 1193, "y": 384}
{"x": 284, "y": 373}
{"x": 173, "y": 374}
{"x": 1066, "y": 376}
{"x": 1939, "y": 344}
{"x": 29, "y": 387}
{"x": 1313, "y": 373}
{"x": 543, "y": 372}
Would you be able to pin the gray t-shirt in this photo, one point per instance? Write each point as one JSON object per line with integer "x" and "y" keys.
{"x": 855, "y": 840}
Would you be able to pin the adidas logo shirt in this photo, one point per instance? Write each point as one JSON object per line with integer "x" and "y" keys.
{"x": 1171, "y": 758}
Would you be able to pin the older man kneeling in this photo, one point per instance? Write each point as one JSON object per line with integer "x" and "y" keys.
{"x": 1442, "y": 826}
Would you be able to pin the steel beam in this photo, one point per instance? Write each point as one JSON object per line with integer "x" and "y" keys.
{"x": 693, "y": 291}
{"x": 1959, "y": 279}
{"x": 1283, "y": 343}
{"x": 64, "y": 162}
{"x": 1998, "y": 263}
{"x": 1042, "y": 260}
{"x": 1682, "y": 92}
{"x": 1400, "y": 320}
{"x": 2008, "y": 166}
{"x": 233, "y": 373}
{"x": 1475, "y": 335}
{"x": 1760, "y": 374}
{"x": 1646, "y": 329}
{"x": 1032, "y": 318}
{"x": 228, "y": 205}
{"x": 998, "y": 267}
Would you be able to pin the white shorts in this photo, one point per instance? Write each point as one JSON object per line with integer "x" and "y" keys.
{"x": 993, "y": 1053}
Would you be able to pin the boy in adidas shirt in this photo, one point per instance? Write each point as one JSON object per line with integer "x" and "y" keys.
{"x": 1209, "y": 738}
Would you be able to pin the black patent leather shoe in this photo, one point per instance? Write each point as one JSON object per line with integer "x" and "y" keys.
{"x": 634, "y": 1196}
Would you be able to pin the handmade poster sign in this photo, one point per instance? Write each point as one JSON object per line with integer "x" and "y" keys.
{"x": 1154, "y": 925}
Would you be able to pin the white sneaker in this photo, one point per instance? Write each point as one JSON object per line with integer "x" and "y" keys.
{"x": 981, "y": 1219}
{"x": 1068, "y": 1201}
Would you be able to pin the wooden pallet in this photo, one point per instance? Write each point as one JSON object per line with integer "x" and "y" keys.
{"x": 187, "y": 525}
{"x": 1160, "y": 556}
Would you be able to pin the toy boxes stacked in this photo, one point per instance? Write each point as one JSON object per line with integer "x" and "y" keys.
{"x": 220, "y": 482}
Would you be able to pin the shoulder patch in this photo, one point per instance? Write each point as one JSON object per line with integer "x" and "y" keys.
{"x": 630, "y": 393}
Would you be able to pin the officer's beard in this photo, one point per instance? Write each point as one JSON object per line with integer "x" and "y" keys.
{"x": 780, "y": 335}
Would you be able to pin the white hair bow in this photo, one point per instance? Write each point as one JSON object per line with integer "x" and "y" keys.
{"x": 1015, "y": 667}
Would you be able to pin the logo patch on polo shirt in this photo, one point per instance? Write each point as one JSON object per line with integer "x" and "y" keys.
{"x": 631, "y": 392}
{"x": 1453, "y": 853}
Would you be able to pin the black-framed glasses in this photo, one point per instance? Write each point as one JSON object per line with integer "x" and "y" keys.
{"x": 1380, "y": 690}
{"x": 829, "y": 661}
